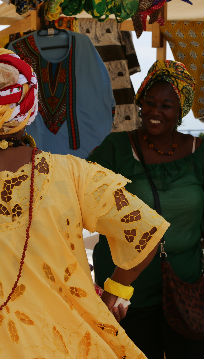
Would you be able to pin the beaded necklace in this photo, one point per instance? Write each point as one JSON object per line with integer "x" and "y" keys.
{"x": 27, "y": 232}
{"x": 13, "y": 142}
{"x": 161, "y": 152}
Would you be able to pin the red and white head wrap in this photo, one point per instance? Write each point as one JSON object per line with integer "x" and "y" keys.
{"x": 18, "y": 93}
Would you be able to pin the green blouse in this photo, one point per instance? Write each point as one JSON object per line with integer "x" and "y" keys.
{"x": 180, "y": 187}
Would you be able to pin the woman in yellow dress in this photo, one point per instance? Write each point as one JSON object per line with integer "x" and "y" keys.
{"x": 48, "y": 305}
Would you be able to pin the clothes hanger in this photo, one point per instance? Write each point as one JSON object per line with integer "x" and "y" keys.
{"x": 48, "y": 29}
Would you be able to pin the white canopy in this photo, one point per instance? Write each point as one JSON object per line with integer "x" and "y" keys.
{"x": 180, "y": 10}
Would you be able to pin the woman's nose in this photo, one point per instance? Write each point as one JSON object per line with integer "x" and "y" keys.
{"x": 156, "y": 109}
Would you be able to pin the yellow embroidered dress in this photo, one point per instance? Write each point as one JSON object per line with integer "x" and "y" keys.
{"x": 55, "y": 312}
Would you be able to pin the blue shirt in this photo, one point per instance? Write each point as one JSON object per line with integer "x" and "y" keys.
{"x": 94, "y": 97}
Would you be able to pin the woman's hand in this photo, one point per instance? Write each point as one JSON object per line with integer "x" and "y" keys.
{"x": 120, "y": 311}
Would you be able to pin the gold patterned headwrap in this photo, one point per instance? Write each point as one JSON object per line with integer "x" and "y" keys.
{"x": 18, "y": 93}
{"x": 176, "y": 74}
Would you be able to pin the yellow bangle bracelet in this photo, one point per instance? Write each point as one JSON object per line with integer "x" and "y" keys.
{"x": 118, "y": 289}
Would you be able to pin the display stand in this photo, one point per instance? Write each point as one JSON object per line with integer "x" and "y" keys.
{"x": 158, "y": 40}
{"x": 31, "y": 22}
{"x": 27, "y": 23}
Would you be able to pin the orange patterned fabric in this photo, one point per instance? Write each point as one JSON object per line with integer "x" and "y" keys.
{"x": 186, "y": 40}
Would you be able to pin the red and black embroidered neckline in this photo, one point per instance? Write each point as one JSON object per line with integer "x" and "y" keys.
{"x": 27, "y": 232}
{"x": 160, "y": 152}
{"x": 57, "y": 87}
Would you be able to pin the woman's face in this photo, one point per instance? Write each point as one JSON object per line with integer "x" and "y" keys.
{"x": 160, "y": 109}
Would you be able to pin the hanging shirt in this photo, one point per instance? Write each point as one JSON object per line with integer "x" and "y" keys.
{"x": 75, "y": 95}
{"x": 117, "y": 50}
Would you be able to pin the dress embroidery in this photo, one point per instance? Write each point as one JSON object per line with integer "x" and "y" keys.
{"x": 69, "y": 271}
{"x": 84, "y": 346}
{"x": 133, "y": 216}
{"x": 9, "y": 208}
{"x": 130, "y": 235}
{"x": 144, "y": 239}
{"x": 59, "y": 341}
{"x": 110, "y": 329}
{"x": 120, "y": 199}
{"x": 57, "y": 88}
{"x": 75, "y": 291}
{"x": 21, "y": 316}
{"x": 6, "y": 194}
{"x": 16, "y": 211}
{"x": 4, "y": 210}
{"x": 63, "y": 290}
{"x": 24, "y": 318}
{"x": 42, "y": 166}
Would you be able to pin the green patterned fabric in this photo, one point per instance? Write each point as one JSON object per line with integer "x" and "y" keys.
{"x": 72, "y": 7}
{"x": 96, "y": 8}
{"x": 101, "y": 9}
{"x": 129, "y": 8}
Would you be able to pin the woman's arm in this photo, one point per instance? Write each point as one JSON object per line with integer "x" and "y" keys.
{"x": 132, "y": 228}
{"x": 125, "y": 277}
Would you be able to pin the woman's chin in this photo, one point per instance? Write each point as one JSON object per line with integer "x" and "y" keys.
{"x": 153, "y": 129}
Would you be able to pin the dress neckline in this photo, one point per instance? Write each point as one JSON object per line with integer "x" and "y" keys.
{"x": 23, "y": 168}
{"x": 176, "y": 161}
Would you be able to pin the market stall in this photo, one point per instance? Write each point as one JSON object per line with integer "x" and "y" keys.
{"x": 178, "y": 22}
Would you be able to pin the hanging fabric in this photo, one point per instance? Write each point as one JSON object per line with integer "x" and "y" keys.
{"x": 75, "y": 96}
{"x": 101, "y": 9}
{"x": 52, "y": 9}
{"x": 122, "y": 9}
{"x": 22, "y": 6}
{"x": 54, "y": 104}
{"x": 118, "y": 54}
{"x": 186, "y": 40}
{"x": 67, "y": 23}
{"x": 146, "y": 8}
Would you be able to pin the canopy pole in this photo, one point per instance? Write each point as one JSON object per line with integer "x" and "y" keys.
{"x": 158, "y": 40}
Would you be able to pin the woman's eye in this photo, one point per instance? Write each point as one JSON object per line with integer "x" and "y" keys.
{"x": 166, "y": 106}
{"x": 150, "y": 103}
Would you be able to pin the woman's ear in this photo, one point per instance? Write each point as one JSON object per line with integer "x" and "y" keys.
{"x": 179, "y": 118}
{"x": 141, "y": 101}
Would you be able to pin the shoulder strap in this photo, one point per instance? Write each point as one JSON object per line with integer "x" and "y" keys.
{"x": 135, "y": 143}
{"x": 194, "y": 144}
{"x": 136, "y": 146}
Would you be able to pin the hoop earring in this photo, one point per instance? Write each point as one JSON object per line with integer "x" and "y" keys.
{"x": 28, "y": 139}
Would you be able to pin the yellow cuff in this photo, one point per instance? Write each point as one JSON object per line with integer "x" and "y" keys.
{"x": 118, "y": 289}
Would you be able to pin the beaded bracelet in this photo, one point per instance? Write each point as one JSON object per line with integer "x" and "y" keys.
{"x": 118, "y": 289}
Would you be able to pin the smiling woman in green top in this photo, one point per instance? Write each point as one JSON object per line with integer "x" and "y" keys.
{"x": 176, "y": 165}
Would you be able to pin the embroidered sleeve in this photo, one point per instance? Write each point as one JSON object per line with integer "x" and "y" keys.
{"x": 132, "y": 228}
